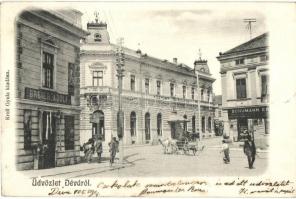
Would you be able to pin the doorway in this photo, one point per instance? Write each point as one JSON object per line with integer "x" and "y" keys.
{"x": 49, "y": 139}
{"x": 242, "y": 124}
{"x": 98, "y": 125}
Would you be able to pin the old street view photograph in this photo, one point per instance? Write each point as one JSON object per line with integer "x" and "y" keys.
{"x": 142, "y": 92}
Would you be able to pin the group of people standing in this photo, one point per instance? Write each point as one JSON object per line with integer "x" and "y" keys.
{"x": 95, "y": 145}
{"x": 249, "y": 149}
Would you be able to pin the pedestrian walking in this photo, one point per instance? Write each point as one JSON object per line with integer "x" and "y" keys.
{"x": 225, "y": 149}
{"x": 88, "y": 149}
{"x": 113, "y": 148}
{"x": 99, "y": 148}
{"x": 250, "y": 150}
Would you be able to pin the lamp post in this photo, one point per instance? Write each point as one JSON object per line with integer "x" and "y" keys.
{"x": 120, "y": 59}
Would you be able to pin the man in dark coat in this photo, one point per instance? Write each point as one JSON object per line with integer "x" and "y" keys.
{"x": 113, "y": 149}
{"x": 99, "y": 148}
{"x": 250, "y": 150}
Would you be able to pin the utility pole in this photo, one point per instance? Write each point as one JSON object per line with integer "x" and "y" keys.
{"x": 249, "y": 25}
{"x": 198, "y": 98}
{"x": 120, "y": 60}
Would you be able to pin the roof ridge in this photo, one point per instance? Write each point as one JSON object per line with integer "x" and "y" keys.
{"x": 245, "y": 43}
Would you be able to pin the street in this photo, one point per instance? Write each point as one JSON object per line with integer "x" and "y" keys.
{"x": 149, "y": 161}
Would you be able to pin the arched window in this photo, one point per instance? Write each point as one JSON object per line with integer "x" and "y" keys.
{"x": 210, "y": 124}
{"x": 159, "y": 124}
{"x": 193, "y": 124}
{"x": 147, "y": 126}
{"x": 185, "y": 123}
{"x": 98, "y": 37}
{"x": 98, "y": 124}
{"x": 133, "y": 120}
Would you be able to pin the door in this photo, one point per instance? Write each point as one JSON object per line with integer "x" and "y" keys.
{"x": 242, "y": 124}
{"x": 48, "y": 139}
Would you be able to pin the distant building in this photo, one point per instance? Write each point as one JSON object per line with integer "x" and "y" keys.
{"x": 245, "y": 88}
{"x": 155, "y": 92}
{"x": 48, "y": 93}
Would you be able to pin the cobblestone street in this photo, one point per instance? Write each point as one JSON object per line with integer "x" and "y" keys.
{"x": 149, "y": 161}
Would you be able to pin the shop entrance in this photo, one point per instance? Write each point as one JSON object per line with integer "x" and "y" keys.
{"x": 49, "y": 139}
{"x": 242, "y": 124}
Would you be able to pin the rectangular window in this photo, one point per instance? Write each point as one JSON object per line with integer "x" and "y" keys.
{"x": 241, "y": 90}
{"x": 184, "y": 92}
{"x": 133, "y": 82}
{"x": 69, "y": 132}
{"x": 158, "y": 85}
{"x": 172, "y": 89}
{"x": 97, "y": 78}
{"x": 264, "y": 86}
{"x": 192, "y": 93}
{"x": 47, "y": 70}
{"x": 264, "y": 58}
{"x": 71, "y": 77}
{"x": 147, "y": 86}
{"x": 27, "y": 129}
{"x": 239, "y": 61}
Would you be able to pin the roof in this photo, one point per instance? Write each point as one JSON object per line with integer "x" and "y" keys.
{"x": 257, "y": 42}
{"x": 218, "y": 99}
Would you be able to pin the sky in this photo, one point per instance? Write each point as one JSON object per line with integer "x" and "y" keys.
{"x": 177, "y": 30}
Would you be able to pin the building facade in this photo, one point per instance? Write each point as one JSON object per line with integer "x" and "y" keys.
{"x": 48, "y": 88}
{"x": 245, "y": 88}
{"x": 154, "y": 91}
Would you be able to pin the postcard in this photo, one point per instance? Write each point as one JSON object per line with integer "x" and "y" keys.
{"x": 148, "y": 99}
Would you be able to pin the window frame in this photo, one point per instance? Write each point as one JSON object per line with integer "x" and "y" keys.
{"x": 97, "y": 78}
{"x": 239, "y": 93}
{"x": 184, "y": 91}
{"x": 158, "y": 87}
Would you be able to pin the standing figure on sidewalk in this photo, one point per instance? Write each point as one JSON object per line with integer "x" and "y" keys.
{"x": 88, "y": 149}
{"x": 250, "y": 151}
{"x": 113, "y": 148}
{"x": 99, "y": 147}
{"x": 225, "y": 149}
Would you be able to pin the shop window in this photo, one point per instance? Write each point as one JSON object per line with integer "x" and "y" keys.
{"x": 239, "y": 61}
{"x": 27, "y": 129}
{"x": 133, "y": 123}
{"x": 97, "y": 78}
{"x": 172, "y": 89}
{"x": 71, "y": 77}
{"x": 241, "y": 90}
{"x": 158, "y": 85}
{"x": 159, "y": 124}
{"x": 133, "y": 83}
{"x": 184, "y": 92}
{"x": 47, "y": 70}
{"x": 146, "y": 86}
{"x": 69, "y": 132}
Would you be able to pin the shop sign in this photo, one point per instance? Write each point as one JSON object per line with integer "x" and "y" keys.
{"x": 47, "y": 96}
{"x": 248, "y": 112}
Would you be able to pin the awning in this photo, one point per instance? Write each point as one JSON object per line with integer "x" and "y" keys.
{"x": 174, "y": 117}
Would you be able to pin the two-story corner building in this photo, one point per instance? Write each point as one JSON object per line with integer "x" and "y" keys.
{"x": 155, "y": 92}
{"x": 245, "y": 94}
{"x": 48, "y": 88}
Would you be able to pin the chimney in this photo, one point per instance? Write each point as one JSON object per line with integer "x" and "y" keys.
{"x": 175, "y": 60}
